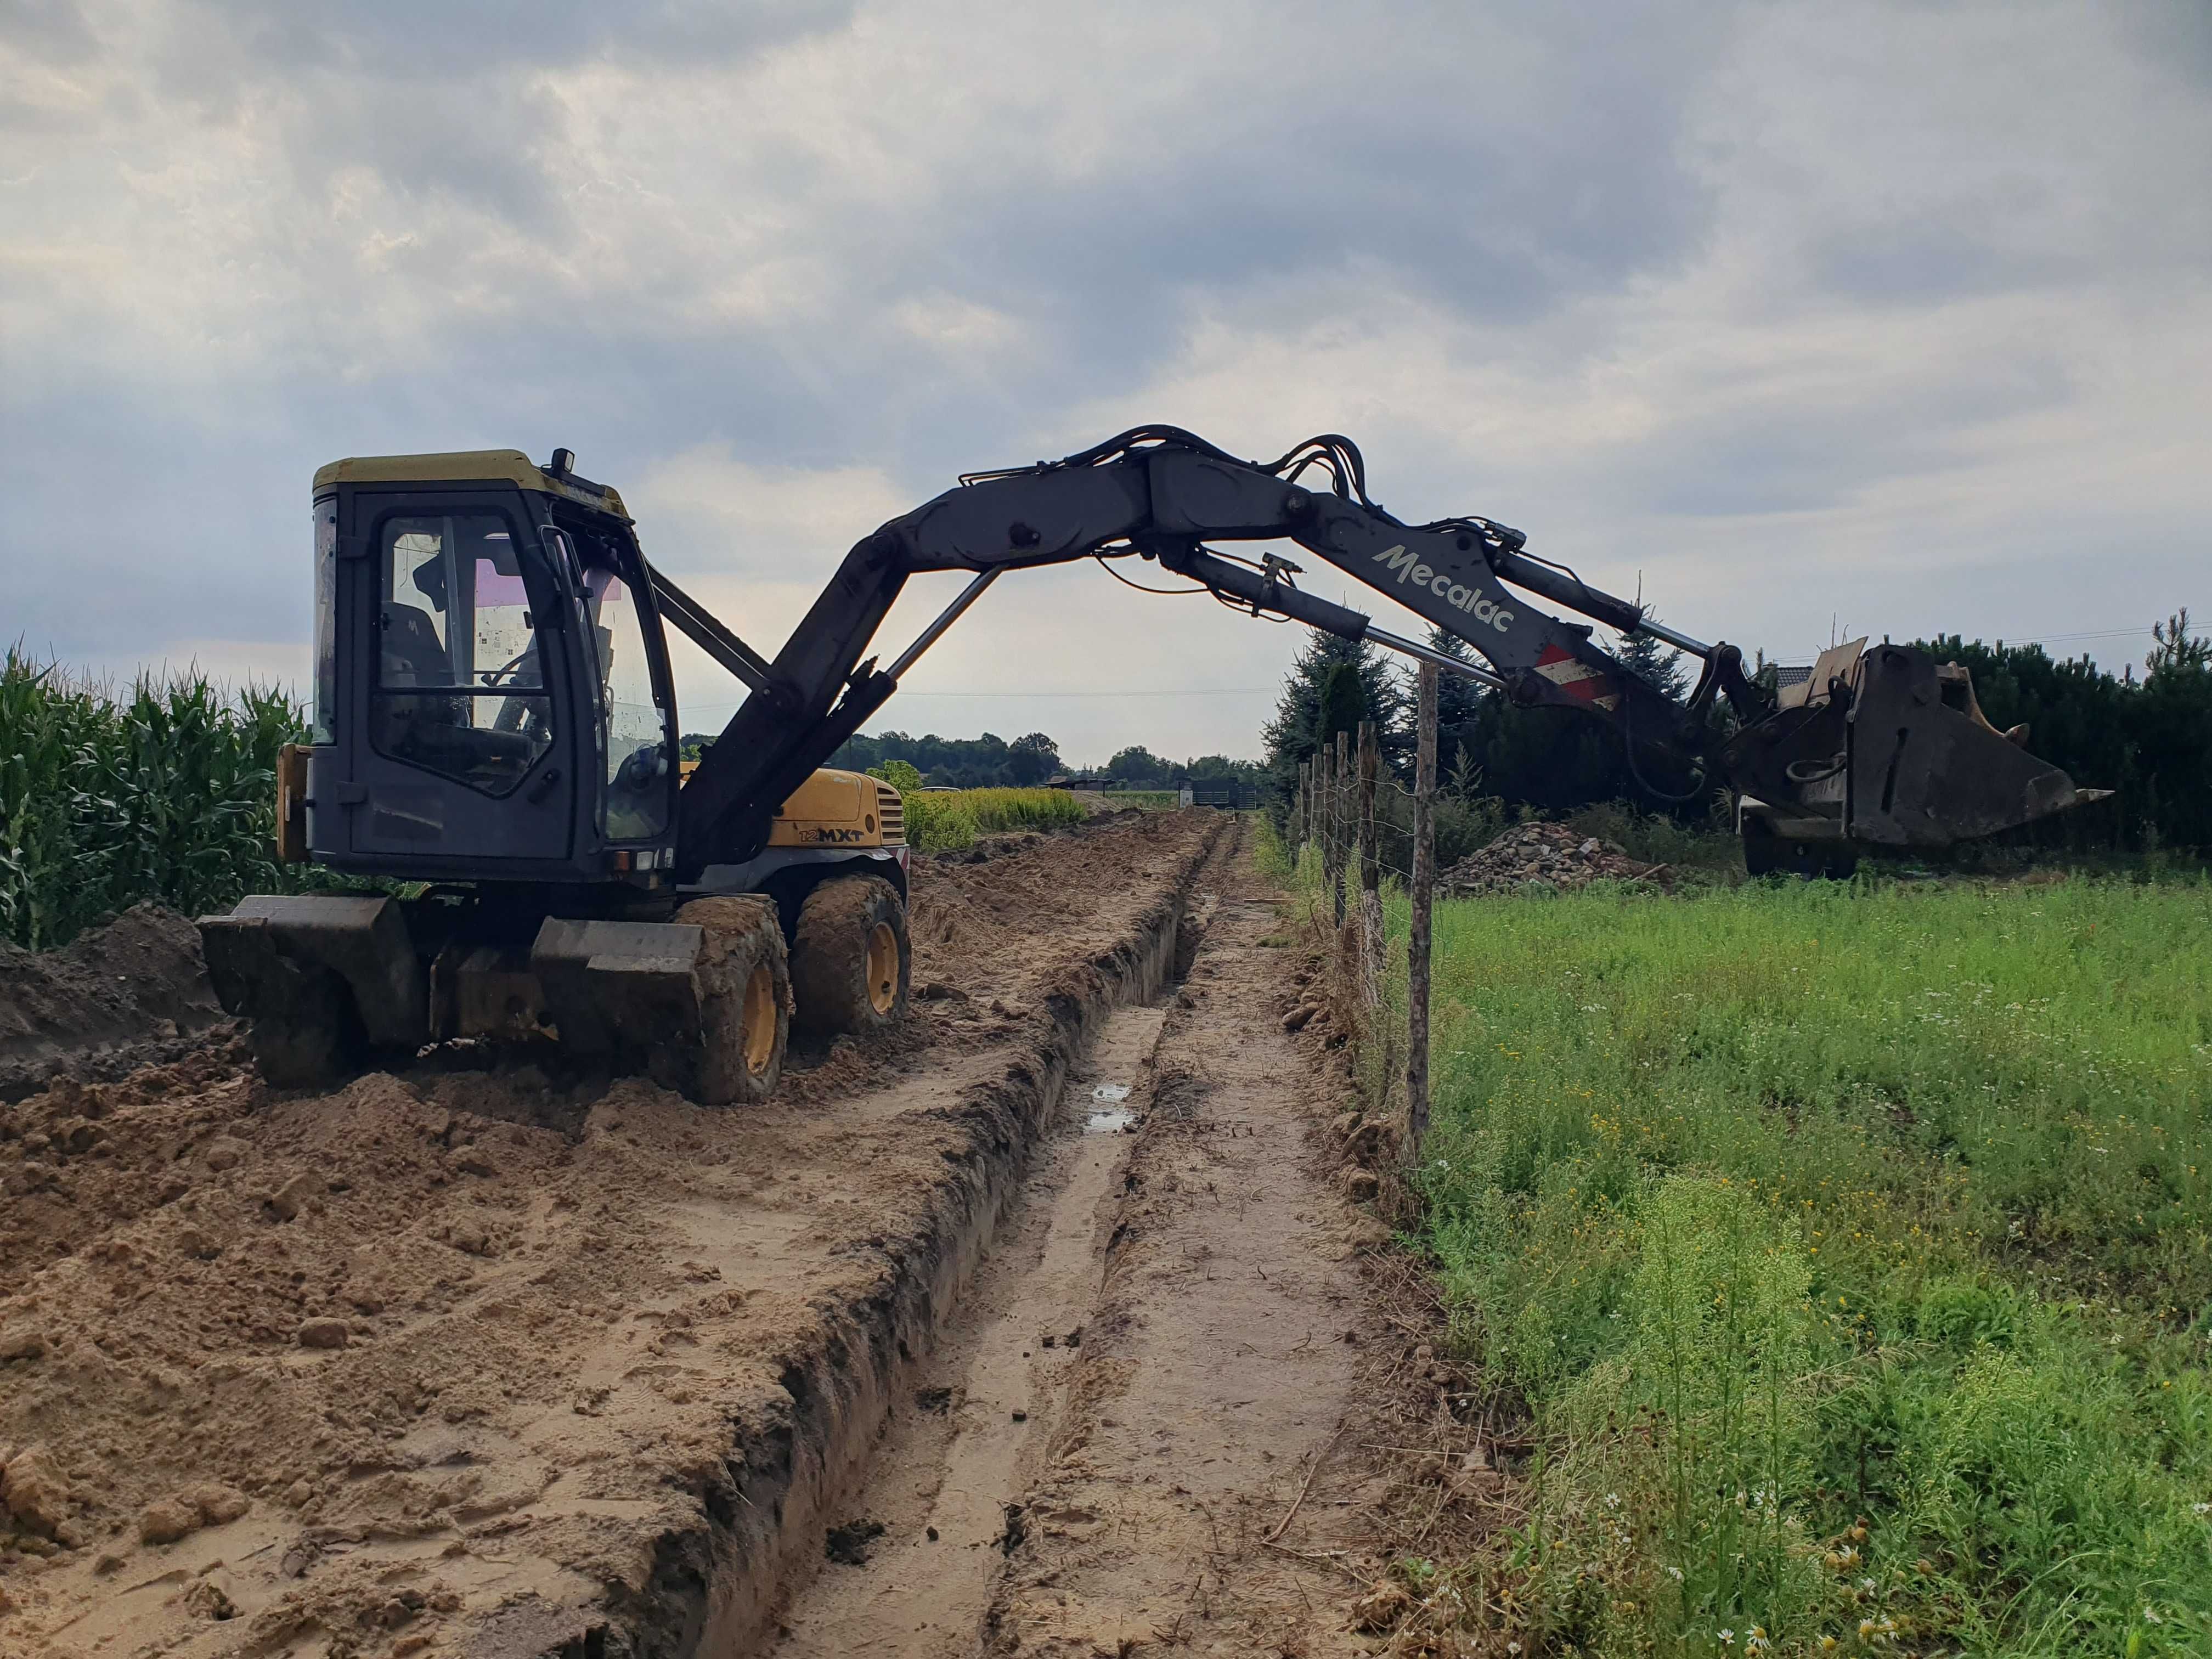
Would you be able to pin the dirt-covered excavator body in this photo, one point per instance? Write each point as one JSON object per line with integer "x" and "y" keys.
{"x": 494, "y": 726}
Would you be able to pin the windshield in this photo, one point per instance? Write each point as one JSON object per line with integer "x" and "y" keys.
{"x": 455, "y": 621}
{"x": 640, "y": 778}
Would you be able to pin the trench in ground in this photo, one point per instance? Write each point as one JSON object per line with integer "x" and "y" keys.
{"x": 911, "y": 1562}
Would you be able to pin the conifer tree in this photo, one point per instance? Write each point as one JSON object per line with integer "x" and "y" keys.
{"x": 1299, "y": 724}
{"x": 1658, "y": 666}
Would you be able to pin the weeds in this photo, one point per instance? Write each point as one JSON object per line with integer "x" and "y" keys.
{"x": 1853, "y": 1247}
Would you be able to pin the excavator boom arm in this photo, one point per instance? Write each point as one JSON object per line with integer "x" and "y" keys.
{"x": 1163, "y": 494}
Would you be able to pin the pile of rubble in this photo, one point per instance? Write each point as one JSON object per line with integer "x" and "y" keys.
{"x": 1537, "y": 858}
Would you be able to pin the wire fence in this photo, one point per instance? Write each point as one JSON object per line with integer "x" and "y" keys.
{"x": 1336, "y": 808}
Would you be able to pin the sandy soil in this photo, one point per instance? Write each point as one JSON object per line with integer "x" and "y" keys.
{"x": 499, "y": 1361}
{"x": 1059, "y": 1322}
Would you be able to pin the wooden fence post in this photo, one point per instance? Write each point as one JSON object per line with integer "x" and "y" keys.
{"x": 1418, "y": 939}
{"x": 1324, "y": 845}
{"x": 1339, "y": 814}
{"x": 1370, "y": 865}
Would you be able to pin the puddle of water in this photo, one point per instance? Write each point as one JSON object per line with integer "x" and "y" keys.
{"x": 1108, "y": 1116}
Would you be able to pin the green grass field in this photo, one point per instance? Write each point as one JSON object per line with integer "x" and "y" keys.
{"x": 1849, "y": 1247}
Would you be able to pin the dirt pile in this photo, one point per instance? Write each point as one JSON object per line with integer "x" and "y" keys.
{"x": 1539, "y": 858}
{"x": 452, "y": 1360}
{"x": 133, "y": 986}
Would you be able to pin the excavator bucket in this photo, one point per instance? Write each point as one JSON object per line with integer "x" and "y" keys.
{"x": 1928, "y": 769}
{"x": 322, "y": 975}
{"x": 1888, "y": 747}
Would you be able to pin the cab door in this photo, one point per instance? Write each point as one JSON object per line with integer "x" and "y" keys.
{"x": 465, "y": 736}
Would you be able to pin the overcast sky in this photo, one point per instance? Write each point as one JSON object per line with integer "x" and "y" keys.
{"x": 1893, "y": 317}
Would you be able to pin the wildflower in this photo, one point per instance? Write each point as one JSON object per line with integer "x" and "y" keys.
{"x": 1728, "y": 1638}
{"x": 1613, "y": 1500}
{"x": 2200, "y": 1508}
{"x": 1675, "y": 1573}
{"x": 1828, "y": 1645}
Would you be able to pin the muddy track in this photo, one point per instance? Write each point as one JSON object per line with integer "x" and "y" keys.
{"x": 509, "y": 1363}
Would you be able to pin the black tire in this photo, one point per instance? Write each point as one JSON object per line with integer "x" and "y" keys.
{"x": 312, "y": 1034}
{"x": 306, "y": 1027}
{"x": 745, "y": 1014}
{"x": 850, "y": 958}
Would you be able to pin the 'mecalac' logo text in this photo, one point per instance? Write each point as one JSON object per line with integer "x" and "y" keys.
{"x": 1460, "y": 597}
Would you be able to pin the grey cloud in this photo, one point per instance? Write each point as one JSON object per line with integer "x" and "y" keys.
{"x": 439, "y": 39}
{"x": 2173, "y": 36}
{"x": 1543, "y": 184}
{"x": 52, "y": 30}
{"x": 1926, "y": 259}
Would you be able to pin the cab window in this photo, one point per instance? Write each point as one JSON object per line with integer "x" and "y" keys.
{"x": 637, "y": 802}
{"x": 459, "y": 690}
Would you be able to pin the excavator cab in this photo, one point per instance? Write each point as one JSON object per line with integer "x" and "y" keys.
{"x": 492, "y": 691}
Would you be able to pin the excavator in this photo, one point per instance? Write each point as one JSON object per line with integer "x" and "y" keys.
{"x": 495, "y": 744}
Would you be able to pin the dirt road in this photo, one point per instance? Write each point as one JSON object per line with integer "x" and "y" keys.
{"x": 490, "y": 1362}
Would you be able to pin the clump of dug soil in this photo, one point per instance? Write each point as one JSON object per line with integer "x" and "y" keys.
{"x": 129, "y": 987}
{"x": 1540, "y": 858}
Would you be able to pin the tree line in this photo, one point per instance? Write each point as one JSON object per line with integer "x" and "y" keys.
{"x": 2147, "y": 738}
{"x": 990, "y": 762}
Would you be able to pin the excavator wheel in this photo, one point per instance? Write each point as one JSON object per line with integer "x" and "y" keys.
{"x": 850, "y": 960}
{"x": 745, "y": 1006}
{"x": 312, "y": 1034}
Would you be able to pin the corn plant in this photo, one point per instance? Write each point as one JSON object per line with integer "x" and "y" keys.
{"x": 166, "y": 793}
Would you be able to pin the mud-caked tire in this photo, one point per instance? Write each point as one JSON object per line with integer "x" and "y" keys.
{"x": 310, "y": 1034}
{"x": 850, "y": 958}
{"x": 744, "y": 1005}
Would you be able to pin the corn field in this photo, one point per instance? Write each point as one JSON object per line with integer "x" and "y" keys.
{"x": 166, "y": 791}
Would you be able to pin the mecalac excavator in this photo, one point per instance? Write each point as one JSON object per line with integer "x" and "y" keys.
{"x": 495, "y": 737}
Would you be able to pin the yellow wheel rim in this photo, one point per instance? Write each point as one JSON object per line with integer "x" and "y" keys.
{"x": 882, "y": 967}
{"x": 758, "y": 1031}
